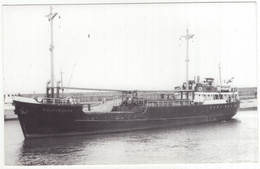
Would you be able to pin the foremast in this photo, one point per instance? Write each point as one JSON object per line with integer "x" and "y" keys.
{"x": 51, "y": 17}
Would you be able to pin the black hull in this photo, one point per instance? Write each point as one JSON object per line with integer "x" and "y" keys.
{"x": 43, "y": 120}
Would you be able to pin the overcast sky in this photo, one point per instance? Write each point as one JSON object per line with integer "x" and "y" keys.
{"x": 134, "y": 46}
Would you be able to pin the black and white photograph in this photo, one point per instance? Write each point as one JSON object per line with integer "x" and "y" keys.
{"x": 130, "y": 83}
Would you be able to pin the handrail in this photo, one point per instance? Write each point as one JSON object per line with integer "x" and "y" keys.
{"x": 63, "y": 101}
{"x": 172, "y": 103}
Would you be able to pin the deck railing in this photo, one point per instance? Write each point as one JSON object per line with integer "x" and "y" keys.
{"x": 62, "y": 101}
{"x": 171, "y": 103}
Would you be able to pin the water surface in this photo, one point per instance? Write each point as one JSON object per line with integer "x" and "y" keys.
{"x": 220, "y": 142}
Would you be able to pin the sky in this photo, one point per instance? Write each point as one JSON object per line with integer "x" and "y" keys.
{"x": 128, "y": 46}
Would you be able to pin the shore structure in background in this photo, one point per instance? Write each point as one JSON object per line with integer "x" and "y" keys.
{"x": 194, "y": 102}
{"x": 8, "y": 106}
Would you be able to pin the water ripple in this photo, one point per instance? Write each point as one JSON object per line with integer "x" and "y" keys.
{"x": 230, "y": 141}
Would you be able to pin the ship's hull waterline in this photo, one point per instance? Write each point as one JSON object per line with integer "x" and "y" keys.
{"x": 43, "y": 120}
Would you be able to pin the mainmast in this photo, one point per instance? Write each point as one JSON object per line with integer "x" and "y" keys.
{"x": 50, "y": 17}
{"x": 187, "y": 37}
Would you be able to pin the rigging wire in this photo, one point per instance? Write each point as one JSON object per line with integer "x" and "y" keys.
{"x": 71, "y": 75}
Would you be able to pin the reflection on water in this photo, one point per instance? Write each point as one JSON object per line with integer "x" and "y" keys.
{"x": 230, "y": 141}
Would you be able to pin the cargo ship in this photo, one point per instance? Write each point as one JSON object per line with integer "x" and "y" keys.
{"x": 192, "y": 103}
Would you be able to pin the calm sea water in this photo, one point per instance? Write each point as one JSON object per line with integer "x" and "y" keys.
{"x": 222, "y": 142}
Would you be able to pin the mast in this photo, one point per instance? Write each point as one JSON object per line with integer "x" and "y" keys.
{"x": 50, "y": 17}
{"x": 220, "y": 75}
{"x": 61, "y": 79}
{"x": 187, "y": 37}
